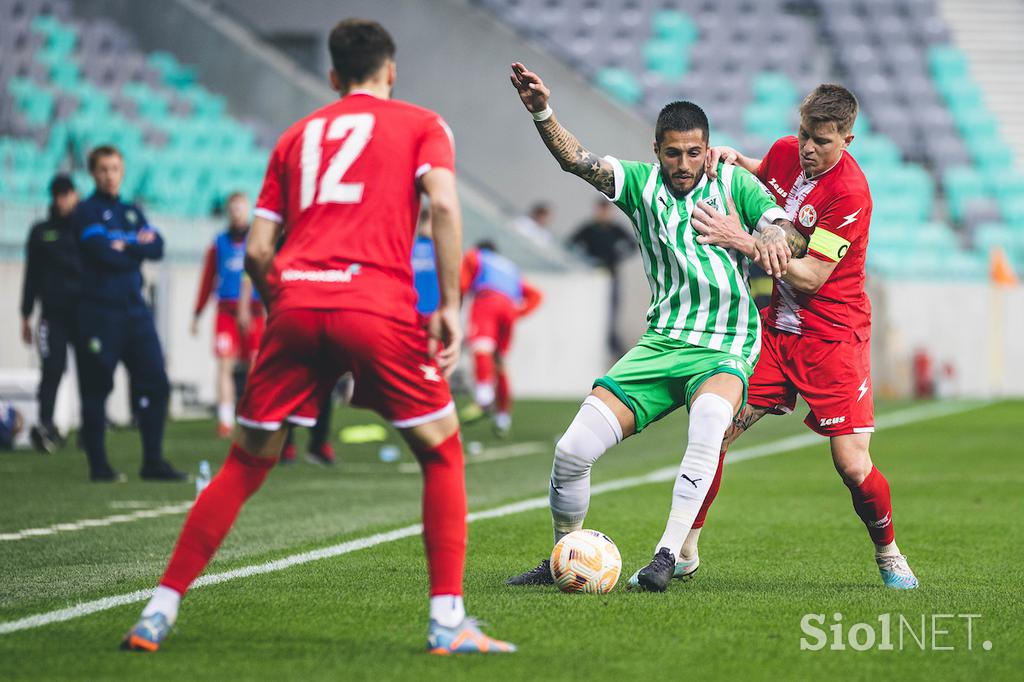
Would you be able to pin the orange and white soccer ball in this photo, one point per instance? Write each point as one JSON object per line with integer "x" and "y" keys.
{"x": 586, "y": 561}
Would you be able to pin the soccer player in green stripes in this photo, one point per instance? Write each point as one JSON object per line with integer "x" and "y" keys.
{"x": 703, "y": 335}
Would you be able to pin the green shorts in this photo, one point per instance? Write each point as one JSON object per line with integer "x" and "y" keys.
{"x": 659, "y": 375}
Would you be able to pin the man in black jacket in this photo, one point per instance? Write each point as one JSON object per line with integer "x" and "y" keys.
{"x": 53, "y": 277}
{"x": 605, "y": 243}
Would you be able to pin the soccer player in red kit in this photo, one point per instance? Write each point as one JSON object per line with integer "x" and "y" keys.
{"x": 500, "y": 297}
{"x": 343, "y": 185}
{"x": 222, "y": 273}
{"x": 816, "y": 336}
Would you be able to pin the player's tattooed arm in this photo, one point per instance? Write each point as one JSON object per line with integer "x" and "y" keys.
{"x": 796, "y": 241}
{"x": 572, "y": 156}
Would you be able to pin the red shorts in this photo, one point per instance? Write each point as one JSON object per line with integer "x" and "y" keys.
{"x": 304, "y": 352}
{"x": 490, "y": 323}
{"x": 834, "y": 377}
{"x": 228, "y": 340}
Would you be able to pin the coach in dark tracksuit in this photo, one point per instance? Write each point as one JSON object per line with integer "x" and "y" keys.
{"x": 52, "y": 276}
{"x": 115, "y": 324}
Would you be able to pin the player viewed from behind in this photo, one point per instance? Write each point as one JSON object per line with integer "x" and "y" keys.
{"x": 343, "y": 185}
{"x": 703, "y": 336}
{"x": 500, "y": 297}
{"x": 223, "y": 274}
{"x": 818, "y": 325}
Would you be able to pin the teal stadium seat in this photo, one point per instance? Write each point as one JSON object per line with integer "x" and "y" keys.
{"x": 674, "y": 26}
{"x": 666, "y": 58}
{"x": 620, "y": 84}
{"x": 776, "y": 89}
{"x": 171, "y": 71}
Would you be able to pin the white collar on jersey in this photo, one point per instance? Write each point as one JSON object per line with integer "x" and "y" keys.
{"x": 815, "y": 177}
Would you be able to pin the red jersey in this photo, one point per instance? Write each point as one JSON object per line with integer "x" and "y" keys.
{"x": 834, "y": 208}
{"x": 343, "y": 182}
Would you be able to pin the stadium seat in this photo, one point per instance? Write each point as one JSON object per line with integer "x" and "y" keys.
{"x": 620, "y": 84}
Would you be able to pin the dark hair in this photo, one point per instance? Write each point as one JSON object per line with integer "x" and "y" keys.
{"x": 831, "y": 103}
{"x": 681, "y": 116}
{"x": 61, "y": 184}
{"x": 487, "y": 245}
{"x": 100, "y": 152}
{"x": 358, "y": 48}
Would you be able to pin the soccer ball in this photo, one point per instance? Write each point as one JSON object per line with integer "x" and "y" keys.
{"x": 586, "y": 561}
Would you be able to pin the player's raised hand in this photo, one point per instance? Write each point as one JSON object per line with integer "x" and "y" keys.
{"x": 445, "y": 343}
{"x": 530, "y": 87}
{"x": 716, "y": 154}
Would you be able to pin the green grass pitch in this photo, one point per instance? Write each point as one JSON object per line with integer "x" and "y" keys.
{"x": 782, "y": 542}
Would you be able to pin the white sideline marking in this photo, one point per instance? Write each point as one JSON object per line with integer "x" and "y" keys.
{"x": 492, "y": 454}
{"x": 97, "y": 523}
{"x": 903, "y": 417}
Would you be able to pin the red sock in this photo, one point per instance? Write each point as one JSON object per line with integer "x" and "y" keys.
{"x": 213, "y": 514}
{"x": 484, "y": 367}
{"x": 444, "y": 514}
{"x": 712, "y": 492}
{"x": 874, "y": 507}
{"x": 504, "y": 393}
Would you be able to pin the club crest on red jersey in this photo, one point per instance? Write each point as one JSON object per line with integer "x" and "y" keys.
{"x": 808, "y": 215}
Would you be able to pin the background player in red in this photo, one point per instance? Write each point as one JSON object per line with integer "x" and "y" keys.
{"x": 500, "y": 297}
{"x": 223, "y": 274}
{"x": 343, "y": 185}
{"x": 816, "y": 336}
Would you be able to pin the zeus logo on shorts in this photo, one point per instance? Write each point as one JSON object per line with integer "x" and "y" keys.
{"x": 832, "y": 421}
{"x": 430, "y": 373}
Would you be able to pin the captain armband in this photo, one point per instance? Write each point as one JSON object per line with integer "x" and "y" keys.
{"x": 828, "y": 244}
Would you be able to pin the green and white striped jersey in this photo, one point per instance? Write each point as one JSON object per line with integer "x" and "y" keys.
{"x": 699, "y": 293}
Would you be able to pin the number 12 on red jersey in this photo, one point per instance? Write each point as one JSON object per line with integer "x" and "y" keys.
{"x": 356, "y": 129}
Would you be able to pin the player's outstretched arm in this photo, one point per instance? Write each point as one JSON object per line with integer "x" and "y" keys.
{"x": 259, "y": 254}
{"x": 572, "y": 156}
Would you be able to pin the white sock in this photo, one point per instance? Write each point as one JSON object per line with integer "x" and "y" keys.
{"x": 891, "y": 548}
{"x": 165, "y": 601}
{"x": 593, "y": 430}
{"x": 226, "y": 414}
{"x": 689, "y": 549}
{"x": 447, "y": 609}
{"x": 710, "y": 416}
{"x": 503, "y": 420}
{"x": 483, "y": 395}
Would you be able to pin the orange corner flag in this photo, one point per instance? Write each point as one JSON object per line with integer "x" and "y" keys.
{"x": 1000, "y": 269}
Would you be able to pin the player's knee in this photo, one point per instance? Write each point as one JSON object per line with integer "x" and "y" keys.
{"x": 589, "y": 436}
{"x": 260, "y": 442}
{"x": 853, "y": 465}
{"x": 710, "y": 418}
{"x": 574, "y": 457}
